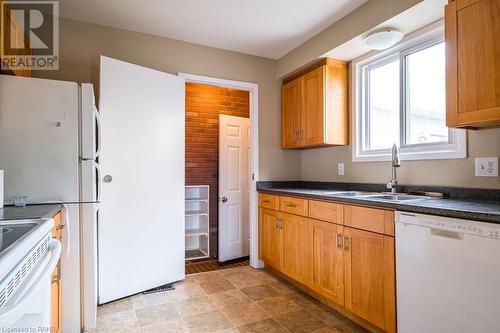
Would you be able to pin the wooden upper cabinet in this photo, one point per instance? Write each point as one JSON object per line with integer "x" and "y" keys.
{"x": 472, "y": 34}
{"x": 294, "y": 246}
{"x": 370, "y": 288}
{"x": 314, "y": 107}
{"x": 290, "y": 118}
{"x": 326, "y": 260}
{"x": 270, "y": 243}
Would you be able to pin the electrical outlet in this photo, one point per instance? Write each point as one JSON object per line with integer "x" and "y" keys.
{"x": 340, "y": 169}
{"x": 487, "y": 167}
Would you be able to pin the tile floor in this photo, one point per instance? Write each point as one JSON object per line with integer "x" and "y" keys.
{"x": 239, "y": 299}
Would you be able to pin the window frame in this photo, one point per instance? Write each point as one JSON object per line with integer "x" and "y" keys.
{"x": 456, "y": 147}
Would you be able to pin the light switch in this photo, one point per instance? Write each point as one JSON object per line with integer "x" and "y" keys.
{"x": 340, "y": 169}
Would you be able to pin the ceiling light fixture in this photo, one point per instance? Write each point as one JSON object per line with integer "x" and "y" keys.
{"x": 382, "y": 39}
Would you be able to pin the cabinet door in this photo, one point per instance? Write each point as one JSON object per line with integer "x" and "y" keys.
{"x": 472, "y": 63}
{"x": 55, "y": 288}
{"x": 326, "y": 260}
{"x": 269, "y": 237}
{"x": 294, "y": 246}
{"x": 312, "y": 116}
{"x": 55, "y": 302}
{"x": 370, "y": 288}
{"x": 290, "y": 114}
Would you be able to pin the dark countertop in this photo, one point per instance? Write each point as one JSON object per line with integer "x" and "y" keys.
{"x": 29, "y": 212}
{"x": 480, "y": 209}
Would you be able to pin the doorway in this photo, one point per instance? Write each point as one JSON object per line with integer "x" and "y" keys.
{"x": 237, "y": 91}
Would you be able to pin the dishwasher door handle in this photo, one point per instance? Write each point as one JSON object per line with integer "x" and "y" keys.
{"x": 447, "y": 234}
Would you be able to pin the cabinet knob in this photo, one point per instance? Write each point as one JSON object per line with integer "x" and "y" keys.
{"x": 107, "y": 179}
{"x": 223, "y": 199}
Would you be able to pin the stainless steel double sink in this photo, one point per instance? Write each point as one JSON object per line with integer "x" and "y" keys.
{"x": 395, "y": 197}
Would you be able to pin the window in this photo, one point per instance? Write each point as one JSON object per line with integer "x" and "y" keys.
{"x": 401, "y": 99}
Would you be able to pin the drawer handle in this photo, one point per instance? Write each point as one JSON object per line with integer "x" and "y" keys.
{"x": 266, "y": 201}
{"x": 291, "y": 205}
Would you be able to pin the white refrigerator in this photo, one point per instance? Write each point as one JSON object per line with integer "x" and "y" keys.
{"x": 48, "y": 152}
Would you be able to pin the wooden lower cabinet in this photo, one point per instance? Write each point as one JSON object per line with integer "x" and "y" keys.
{"x": 344, "y": 255}
{"x": 294, "y": 241}
{"x": 370, "y": 288}
{"x": 326, "y": 260}
{"x": 55, "y": 288}
{"x": 269, "y": 234}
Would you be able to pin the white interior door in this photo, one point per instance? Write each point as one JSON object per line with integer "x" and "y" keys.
{"x": 234, "y": 190}
{"x": 141, "y": 216}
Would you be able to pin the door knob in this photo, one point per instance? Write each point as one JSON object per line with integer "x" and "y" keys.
{"x": 223, "y": 199}
{"x": 107, "y": 179}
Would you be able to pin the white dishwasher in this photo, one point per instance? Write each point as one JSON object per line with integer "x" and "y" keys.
{"x": 447, "y": 275}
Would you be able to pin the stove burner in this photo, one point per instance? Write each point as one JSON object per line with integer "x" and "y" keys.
{"x": 10, "y": 233}
{"x": 5, "y": 230}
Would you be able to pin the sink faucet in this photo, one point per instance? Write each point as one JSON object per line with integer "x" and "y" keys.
{"x": 393, "y": 185}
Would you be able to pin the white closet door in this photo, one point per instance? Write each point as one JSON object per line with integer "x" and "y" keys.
{"x": 141, "y": 217}
{"x": 234, "y": 227}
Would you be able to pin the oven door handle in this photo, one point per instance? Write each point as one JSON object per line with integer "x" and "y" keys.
{"x": 30, "y": 285}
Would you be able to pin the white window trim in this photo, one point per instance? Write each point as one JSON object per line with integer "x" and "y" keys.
{"x": 457, "y": 145}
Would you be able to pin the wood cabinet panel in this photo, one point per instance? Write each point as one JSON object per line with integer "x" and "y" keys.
{"x": 371, "y": 219}
{"x": 293, "y": 205}
{"x": 472, "y": 63}
{"x": 55, "y": 288}
{"x": 269, "y": 234}
{"x": 370, "y": 277}
{"x": 294, "y": 246}
{"x": 269, "y": 201}
{"x": 326, "y": 211}
{"x": 326, "y": 260}
{"x": 312, "y": 116}
{"x": 290, "y": 114}
{"x": 337, "y": 102}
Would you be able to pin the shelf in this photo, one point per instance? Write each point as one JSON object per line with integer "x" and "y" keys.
{"x": 195, "y": 254}
{"x": 196, "y": 213}
{"x": 197, "y": 200}
{"x": 196, "y": 232}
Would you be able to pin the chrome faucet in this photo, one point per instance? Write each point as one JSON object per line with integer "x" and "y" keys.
{"x": 393, "y": 185}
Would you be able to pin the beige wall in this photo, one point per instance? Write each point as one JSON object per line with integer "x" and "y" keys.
{"x": 321, "y": 164}
{"x": 82, "y": 43}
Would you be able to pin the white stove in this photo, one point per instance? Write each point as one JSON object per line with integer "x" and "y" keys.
{"x": 28, "y": 256}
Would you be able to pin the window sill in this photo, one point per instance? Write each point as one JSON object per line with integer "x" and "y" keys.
{"x": 408, "y": 155}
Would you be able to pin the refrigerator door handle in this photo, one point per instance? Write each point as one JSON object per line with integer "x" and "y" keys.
{"x": 99, "y": 181}
{"x": 67, "y": 228}
{"x": 97, "y": 116}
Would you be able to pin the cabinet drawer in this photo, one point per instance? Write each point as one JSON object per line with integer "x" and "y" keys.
{"x": 269, "y": 201}
{"x": 370, "y": 219}
{"x": 326, "y": 211}
{"x": 295, "y": 206}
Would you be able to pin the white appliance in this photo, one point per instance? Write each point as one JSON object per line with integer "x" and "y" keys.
{"x": 28, "y": 256}
{"x": 141, "y": 217}
{"x": 448, "y": 274}
{"x": 48, "y": 151}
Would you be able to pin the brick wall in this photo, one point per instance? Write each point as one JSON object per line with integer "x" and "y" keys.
{"x": 204, "y": 103}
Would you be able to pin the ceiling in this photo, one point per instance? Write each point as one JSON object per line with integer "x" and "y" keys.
{"x": 267, "y": 28}
{"x": 421, "y": 15}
